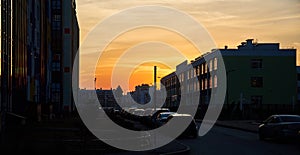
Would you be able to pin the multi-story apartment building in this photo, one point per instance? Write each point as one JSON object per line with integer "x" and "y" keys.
{"x": 261, "y": 79}
{"x": 45, "y": 40}
{"x": 65, "y": 45}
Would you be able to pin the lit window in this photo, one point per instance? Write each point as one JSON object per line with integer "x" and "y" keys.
{"x": 210, "y": 82}
{"x": 215, "y": 63}
{"x": 257, "y": 82}
{"x": 215, "y": 81}
{"x": 210, "y": 65}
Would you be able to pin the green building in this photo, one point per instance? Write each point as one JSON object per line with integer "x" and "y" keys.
{"x": 261, "y": 80}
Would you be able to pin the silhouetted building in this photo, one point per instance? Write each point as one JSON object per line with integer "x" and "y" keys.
{"x": 261, "y": 80}
{"x": 172, "y": 86}
{"x": 106, "y": 98}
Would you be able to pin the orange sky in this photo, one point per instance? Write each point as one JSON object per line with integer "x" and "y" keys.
{"x": 140, "y": 60}
{"x": 228, "y": 21}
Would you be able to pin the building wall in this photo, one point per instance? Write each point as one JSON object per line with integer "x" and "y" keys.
{"x": 45, "y": 41}
{"x": 278, "y": 74}
{"x": 19, "y": 56}
{"x": 277, "y": 94}
{"x": 298, "y": 84}
{"x": 65, "y": 44}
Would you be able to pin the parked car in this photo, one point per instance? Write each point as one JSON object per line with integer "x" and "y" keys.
{"x": 163, "y": 117}
{"x": 280, "y": 127}
{"x": 146, "y": 118}
{"x": 154, "y": 115}
{"x": 150, "y": 114}
{"x": 192, "y": 130}
{"x": 138, "y": 113}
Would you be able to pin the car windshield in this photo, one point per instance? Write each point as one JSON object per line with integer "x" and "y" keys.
{"x": 290, "y": 118}
{"x": 164, "y": 115}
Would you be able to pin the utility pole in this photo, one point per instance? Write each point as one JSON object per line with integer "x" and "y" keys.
{"x": 95, "y": 83}
{"x": 154, "y": 96}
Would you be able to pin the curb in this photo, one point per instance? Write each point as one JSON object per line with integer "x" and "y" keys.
{"x": 187, "y": 149}
{"x": 232, "y": 127}
{"x": 237, "y": 128}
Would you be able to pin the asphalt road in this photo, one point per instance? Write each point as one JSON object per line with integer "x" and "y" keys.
{"x": 225, "y": 141}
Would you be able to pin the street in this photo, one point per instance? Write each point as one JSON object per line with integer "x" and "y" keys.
{"x": 222, "y": 140}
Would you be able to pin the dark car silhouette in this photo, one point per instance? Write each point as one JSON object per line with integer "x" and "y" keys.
{"x": 192, "y": 130}
{"x": 280, "y": 127}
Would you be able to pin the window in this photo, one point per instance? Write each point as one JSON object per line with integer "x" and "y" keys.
{"x": 180, "y": 78}
{"x": 215, "y": 81}
{"x": 215, "y": 63}
{"x": 198, "y": 70}
{"x": 274, "y": 120}
{"x": 210, "y": 65}
{"x": 55, "y": 66}
{"x": 56, "y": 57}
{"x": 56, "y": 4}
{"x": 57, "y": 18}
{"x": 55, "y": 92}
{"x": 256, "y": 100}
{"x": 210, "y": 82}
{"x": 257, "y": 82}
{"x": 256, "y": 63}
{"x": 56, "y": 25}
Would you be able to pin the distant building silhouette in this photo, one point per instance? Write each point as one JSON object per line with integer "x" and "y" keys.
{"x": 141, "y": 94}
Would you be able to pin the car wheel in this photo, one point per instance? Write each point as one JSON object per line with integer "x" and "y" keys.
{"x": 261, "y": 136}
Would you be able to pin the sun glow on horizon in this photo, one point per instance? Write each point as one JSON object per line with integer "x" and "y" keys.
{"x": 135, "y": 52}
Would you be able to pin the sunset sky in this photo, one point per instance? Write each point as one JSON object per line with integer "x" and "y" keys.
{"x": 229, "y": 22}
